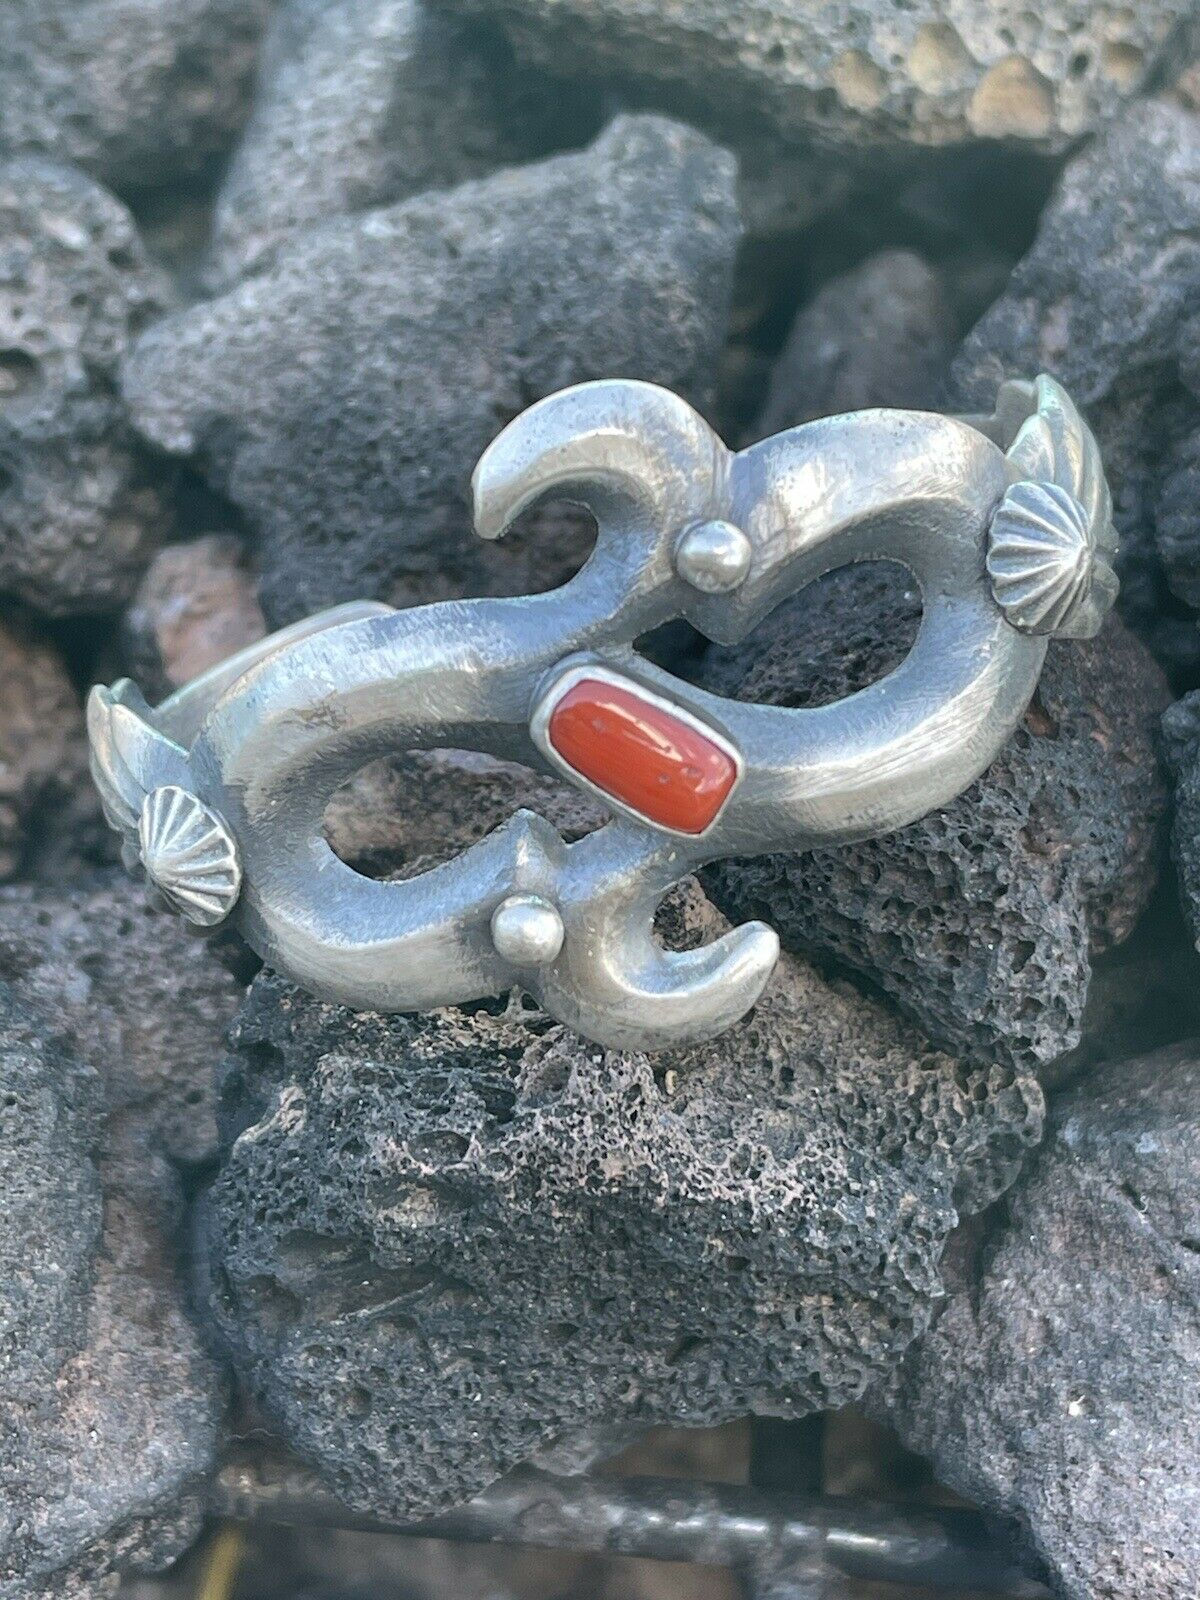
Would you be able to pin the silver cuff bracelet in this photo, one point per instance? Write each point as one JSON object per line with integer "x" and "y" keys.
{"x": 220, "y": 792}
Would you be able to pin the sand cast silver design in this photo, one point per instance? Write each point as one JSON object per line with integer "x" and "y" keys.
{"x": 220, "y": 792}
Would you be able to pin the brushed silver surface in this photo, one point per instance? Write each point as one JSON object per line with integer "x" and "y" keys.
{"x": 263, "y": 742}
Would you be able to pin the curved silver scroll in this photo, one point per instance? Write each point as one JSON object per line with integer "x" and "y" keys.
{"x": 990, "y": 514}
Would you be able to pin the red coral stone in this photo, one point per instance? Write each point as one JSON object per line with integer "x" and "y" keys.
{"x": 641, "y": 754}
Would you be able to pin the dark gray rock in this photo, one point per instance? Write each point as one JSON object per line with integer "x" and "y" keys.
{"x": 981, "y": 919}
{"x": 880, "y": 335}
{"x": 438, "y": 1244}
{"x": 137, "y": 92}
{"x": 43, "y": 756}
{"x": 930, "y": 72}
{"x": 363, "y": 102}
{"x": 79, "y": 512}
{"x": 1181, "y": 745}
{"x": 1103, "y": 301}
{"x": 196, "y": 605}
{"x": 128, "y": 987}
{"x": 108, "y": 1403}
{"x": 1059, "y": 1384}
{"x": 341, "y": 397}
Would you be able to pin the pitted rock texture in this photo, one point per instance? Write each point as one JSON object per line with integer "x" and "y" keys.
{"x": 126, "y": 986}
{"x": 79, "y": 512}
{"x": 1105, "y": 301}
{"x": 1181, "y": 746}
{"x": 42, "y": 750}
{"x": 980, "y": 920}
{"x": 401, "y": 814}
{"x": 108, "y": 1403}
{"x": 1059, "y": 1384}
{"x": 137, "y": 92}
{"x": 342, "y": 396}
{"x": 362, "y": 102}
{"x": 933, "y": 72}
{"x": 438, "y": 1244}
{"x": 196, "y": 605}
{"x": 880, "y": 335}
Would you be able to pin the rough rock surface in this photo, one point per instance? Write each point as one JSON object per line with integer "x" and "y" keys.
{"x": 137, "y": 92}
{"x": 979, "y": 920}
{"x": 930, "y": 72}
{"x": 1059, "y": 1384}
{"x": 196, "y": 605}
{"x": 42, "y": 751}
{"x": 108, "y": 1403}
{"x": 342, "y": 396}
{"x": 880, "y": 335}
{"x": 128, "y": 987}
{"x": 79, "y": 516}
{"x": 1105, "y": 300}
{"x": 438, "y": 1244}
{"x": 1181, "y": 748}
{"x": 363, "y": 102}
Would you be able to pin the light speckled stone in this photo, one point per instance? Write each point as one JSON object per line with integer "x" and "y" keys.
{"x": 930, "y": 72}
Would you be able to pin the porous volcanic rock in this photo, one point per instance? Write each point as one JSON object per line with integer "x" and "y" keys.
{"x": 931, "y": 72}
{"x": 438, "y": 1244}
{"x": 109, "y": 1406}
{"x": 879, "y": 335}
{"x": 980, "y": 920}
{"x": 1105, "y": 301}
{"x": 42, "y": 751}
{"x": 137, "y": 92}
{"x": 196, "y": 605}
{"x": 342, "y": 396}
{"x": 79, "y": 513}
{"x": 1059, "y": 1383}
{"x": 362, "y": 102}
{"x": 127, "y": 986}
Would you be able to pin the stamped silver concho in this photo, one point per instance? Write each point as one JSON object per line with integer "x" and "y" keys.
{"x": 220, "y": 792}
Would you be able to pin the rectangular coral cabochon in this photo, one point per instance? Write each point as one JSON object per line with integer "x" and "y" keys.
{"x": 640, "y": 753}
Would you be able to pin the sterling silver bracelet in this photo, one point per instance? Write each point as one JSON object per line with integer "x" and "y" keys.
{"x": 220, "y": 792}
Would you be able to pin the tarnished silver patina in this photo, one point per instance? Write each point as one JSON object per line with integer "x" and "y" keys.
{"x": 220, "y": 792}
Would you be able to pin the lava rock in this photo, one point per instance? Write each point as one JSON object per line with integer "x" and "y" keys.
{"x": 1059, "y": 1383}
{"x": 1181, "y": 747}
{"x": 363, "y": 102}
{"x": 1103, "y": 301}
{"x": 342, "y": 396}
{"x": 981, "y": 919}
{"x": 934, "y": 72}
{"x": 399, "y": 815}
{"x": 880, "y": 335}
{"x": 42, "y": 750}
{"x": 438, "y": 1244}
{"x": 109, "y": 1407}
{"x": 196, "y": 605}
{"x": 127, "y": 986}
{"x": 137, "y": 92}
{"x": 79, "y": 512}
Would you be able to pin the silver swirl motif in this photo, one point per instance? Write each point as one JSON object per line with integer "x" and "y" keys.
{"x": 687, "y": 528}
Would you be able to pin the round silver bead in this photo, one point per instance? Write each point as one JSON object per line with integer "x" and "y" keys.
{"x": 713, "y": 557}
{"x": 527, "y": 930}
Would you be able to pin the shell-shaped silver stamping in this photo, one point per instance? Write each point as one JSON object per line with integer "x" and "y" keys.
{"x": 189, "y": 855}
{"x": 1040, "y": 557}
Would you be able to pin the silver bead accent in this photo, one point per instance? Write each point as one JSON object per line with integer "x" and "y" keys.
{"x": 713, "y": 557}
{"x": 189, "y": 855}
{"x": 527, "y": 930}
{"x": 1041, "y": 558}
